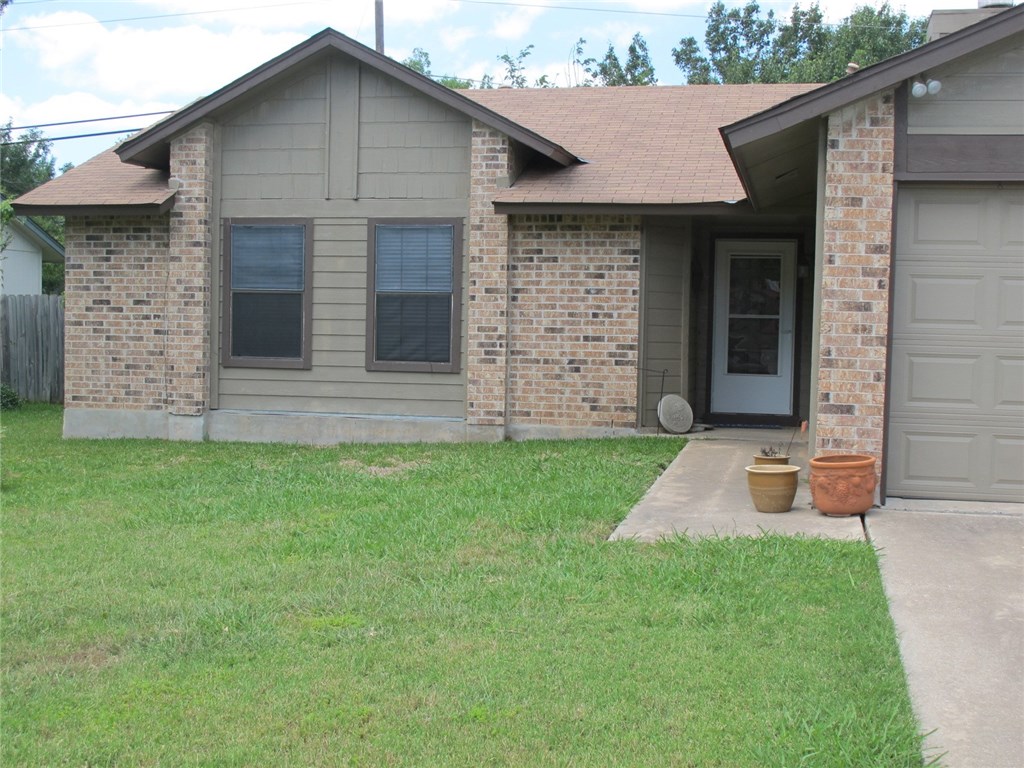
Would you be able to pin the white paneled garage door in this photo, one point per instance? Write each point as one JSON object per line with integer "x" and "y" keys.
{"x": 956, "y": 419}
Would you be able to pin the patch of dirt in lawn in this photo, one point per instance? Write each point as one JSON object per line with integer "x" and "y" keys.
{"x": 88, "y": 658}
{"x": 381, "y": 470}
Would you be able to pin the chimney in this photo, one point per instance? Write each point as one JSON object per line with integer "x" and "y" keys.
{"x": 942, "y": 23}
{"x": 378, "y": 18}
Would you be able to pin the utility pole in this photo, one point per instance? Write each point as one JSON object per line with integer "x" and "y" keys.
{"x": 378, "y": 17}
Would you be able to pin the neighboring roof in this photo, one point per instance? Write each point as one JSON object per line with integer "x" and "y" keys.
{"x": 50, "y": 249}
{"x": 643, "y": 145}
{"x": 150, "y": 147}
{"x": 875, "y": 78}
{"x": 101, "y": 185}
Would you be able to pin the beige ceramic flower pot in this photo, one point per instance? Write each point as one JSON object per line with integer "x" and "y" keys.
{"x": 843, "y": 484}
{"x": 772, "y": 486}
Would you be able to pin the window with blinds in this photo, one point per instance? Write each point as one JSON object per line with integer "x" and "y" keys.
{"x": 267, "y": 294}
{"x": 414, "y": 296}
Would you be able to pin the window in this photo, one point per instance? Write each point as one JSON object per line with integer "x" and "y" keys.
{"x": 413, "y": 295}
{"x": 268, "y": 293}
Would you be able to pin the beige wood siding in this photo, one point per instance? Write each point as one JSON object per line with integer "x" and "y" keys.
{"x": 305, "y": 148}
{"x": 981, "y": 94}
{"x": 666, "y": 274}
{"x": 411, "y": 147}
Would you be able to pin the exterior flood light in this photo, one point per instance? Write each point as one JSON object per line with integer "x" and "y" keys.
{"x": 922, "y": 87}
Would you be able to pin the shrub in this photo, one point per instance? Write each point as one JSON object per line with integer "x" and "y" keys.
{"x": 9, "y": 399}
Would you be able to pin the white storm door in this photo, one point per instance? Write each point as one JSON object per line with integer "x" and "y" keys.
{"x": 752, "y": 348}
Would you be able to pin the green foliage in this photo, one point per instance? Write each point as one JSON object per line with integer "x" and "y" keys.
{"x": 638, "y": 69}
{"x": 745, "y": 47}
{"x": 9, "y": 399}
{"x": 420, "y": 62}
{"x": 515, "y": 69}
{"x": 53, "y": 278}
{"x": 417, "y": 605}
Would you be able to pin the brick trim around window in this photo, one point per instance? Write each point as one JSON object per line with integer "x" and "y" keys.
{"x": 455, "y": 332}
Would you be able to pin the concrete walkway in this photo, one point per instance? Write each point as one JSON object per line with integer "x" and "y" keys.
{"x": 953, "y": 573}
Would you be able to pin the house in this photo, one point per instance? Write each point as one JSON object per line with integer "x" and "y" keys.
{"x": 335, "y": 248}
{"x": 24, "y": 248}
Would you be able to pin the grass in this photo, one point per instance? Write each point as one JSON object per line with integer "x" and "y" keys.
{"x": 234, "y": 605}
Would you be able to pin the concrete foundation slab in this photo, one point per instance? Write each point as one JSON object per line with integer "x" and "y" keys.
{"x": 955, "y": 583}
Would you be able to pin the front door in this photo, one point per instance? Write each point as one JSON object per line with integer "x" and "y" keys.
{"x": 752, "y": 351}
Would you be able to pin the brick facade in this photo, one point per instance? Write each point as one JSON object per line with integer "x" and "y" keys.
{"x": 189, "y": 262}
{"x": 115, "y": 348}
{"x": 855, "y": 278}
{"x": 487, "y": 294}
{"x": 574, "y": 320}
{"x": 552, "y": 308}
{"x": 137, "y": 312}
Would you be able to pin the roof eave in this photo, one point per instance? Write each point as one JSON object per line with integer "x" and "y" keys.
{"x": 127, "y": 209}
{"x": 149, "y": 147}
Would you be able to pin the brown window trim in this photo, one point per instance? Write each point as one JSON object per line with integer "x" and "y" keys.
{"x": 372, "y": 364}
{"x": 305, "y": 362}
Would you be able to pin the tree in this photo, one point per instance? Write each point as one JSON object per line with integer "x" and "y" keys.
{"x": 638, "y": 69}
{"x": 744, "y": 47}
{"x": 25, "y": 163}
{"x": 420, "y": 61}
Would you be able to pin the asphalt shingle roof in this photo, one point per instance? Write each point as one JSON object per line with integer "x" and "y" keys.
{"x": 102, "y": 181}
{"x": 643, "y": 144}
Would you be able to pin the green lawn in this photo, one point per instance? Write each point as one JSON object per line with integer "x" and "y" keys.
{"x": 227, "y": 605}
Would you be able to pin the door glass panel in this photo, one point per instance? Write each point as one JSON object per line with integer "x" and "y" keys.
{"x": 754, "y": 306}
{"x": 754, "y": 285}
{"x": 753, "y": 346}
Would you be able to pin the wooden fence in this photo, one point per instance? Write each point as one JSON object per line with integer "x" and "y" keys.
{"x": 32, "y": 346}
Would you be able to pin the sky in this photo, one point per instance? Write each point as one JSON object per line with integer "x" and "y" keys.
{"x": 73, "y": 60}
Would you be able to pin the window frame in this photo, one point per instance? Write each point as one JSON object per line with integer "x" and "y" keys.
{"x": 305, "y": 361}
{"x": 455, "y": 331}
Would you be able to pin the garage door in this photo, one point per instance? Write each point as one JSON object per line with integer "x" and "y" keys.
{"x": 956, "y": 419}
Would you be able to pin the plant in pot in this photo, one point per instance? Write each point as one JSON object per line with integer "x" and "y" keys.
{"x": 772, "y": 486}
{"x": 772, "y": 454}
{"x": 843, "y": 484}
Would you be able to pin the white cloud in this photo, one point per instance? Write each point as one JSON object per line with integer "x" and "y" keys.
{"x": 168, "y": 63}
{"x": 350, "y": 16}
{"x": 453, "y": 38}
{"x": 513, "y": 25}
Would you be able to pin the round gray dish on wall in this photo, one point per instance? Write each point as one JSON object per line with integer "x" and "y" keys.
{"x": 675, "y": 414}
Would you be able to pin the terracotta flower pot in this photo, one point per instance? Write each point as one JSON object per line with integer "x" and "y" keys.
{"x": 843, "y": 484}
{"x": 760, "y": 460}
{"x": 772, "y": 486}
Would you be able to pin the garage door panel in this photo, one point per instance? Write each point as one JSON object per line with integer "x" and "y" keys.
{"x": 1010, "y": 312}
{"x": 946, "y": 380}
{"x": 956, "y": 397}
{"x": 1007, "y": 459}
{"x": 1009, "y": 385}
{"x": 946, "y": 300}
{"x": 1010, "y": 224}
{"x": 946, "y": 226}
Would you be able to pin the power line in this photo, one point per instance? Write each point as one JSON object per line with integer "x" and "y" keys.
{"x": 161, "y": 16}
{"x": 581, "y": 8}
{"x": 90, "y": 120}
{"x": 64, "y": 138}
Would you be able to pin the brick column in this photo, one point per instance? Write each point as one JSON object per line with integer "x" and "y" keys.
{"x": 189, "y": 264}
{"x": 487, "y": 297}
{"x": 855, "y": 277}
